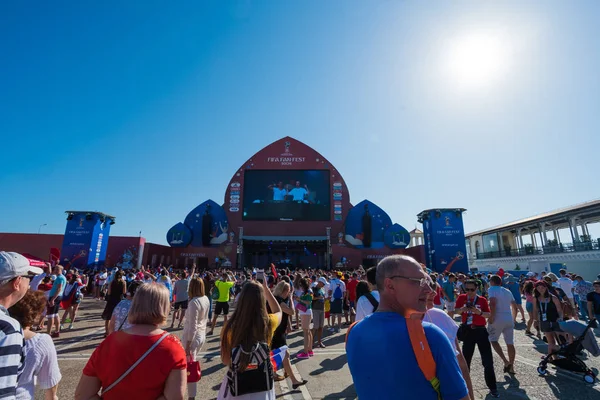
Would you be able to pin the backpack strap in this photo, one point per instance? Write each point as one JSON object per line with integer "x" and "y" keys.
{"x": 422, "y": 352}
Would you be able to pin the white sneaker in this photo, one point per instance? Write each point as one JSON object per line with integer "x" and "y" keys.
{"x": 71, "y": 325}
{"x": 62, "y": 327}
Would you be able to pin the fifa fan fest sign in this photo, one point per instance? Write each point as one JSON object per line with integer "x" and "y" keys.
{"x": 286, "y": 158}
{"x": 445, "y": 248}
{"x": 86, "y": 239}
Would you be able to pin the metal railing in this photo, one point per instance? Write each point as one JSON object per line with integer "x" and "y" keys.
{"x": 532, "y": 251}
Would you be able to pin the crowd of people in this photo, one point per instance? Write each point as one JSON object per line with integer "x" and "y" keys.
{"x": 399, "y": 310}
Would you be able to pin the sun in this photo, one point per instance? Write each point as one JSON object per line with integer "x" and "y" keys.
{"x": 476, "y": 60}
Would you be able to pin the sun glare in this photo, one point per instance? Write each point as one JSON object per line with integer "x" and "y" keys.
{"x": 476, "y": 61}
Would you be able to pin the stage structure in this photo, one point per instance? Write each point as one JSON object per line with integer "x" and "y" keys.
{"x": 86, "y": 239}
{"x": 445, "y": 246}
{"x": 288, "y": 205}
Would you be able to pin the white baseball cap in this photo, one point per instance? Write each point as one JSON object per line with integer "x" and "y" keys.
{"x": 14, "y": 264}
{"x": 322, "y": 280}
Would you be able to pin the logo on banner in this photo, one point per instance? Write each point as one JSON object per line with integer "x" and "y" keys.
{"x": 286, "y": 158}
{"x": 235, "y": 184}
{"x": 337, "y": 217}
{"x": 337, "y": 196}
{"x": 234, "y": 193}
{"x": 337, "y": 185}
{"x": 235, "y": 196}
{"x": 234, "y": 209}
{"x": 81, "y": 222}
{"x": 234, "y": 201}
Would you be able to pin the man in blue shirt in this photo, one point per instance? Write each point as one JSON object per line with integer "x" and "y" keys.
{"x": 380, "y": 354}
{"x": 54, "y": 299}
{"x": 512, "y": 284}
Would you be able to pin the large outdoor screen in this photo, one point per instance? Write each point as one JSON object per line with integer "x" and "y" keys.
{"x": 298, "y": 195}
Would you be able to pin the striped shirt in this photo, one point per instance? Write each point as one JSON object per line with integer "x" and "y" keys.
{"x": 11, "y": 354}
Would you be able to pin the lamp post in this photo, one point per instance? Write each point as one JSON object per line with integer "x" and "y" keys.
{"x": 40, "y": 228}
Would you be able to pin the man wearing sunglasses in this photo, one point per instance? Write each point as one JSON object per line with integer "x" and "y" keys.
{"x": 475, "y": 309}
{"x": 379, "y": 350}
{"x": 15, "y": 276}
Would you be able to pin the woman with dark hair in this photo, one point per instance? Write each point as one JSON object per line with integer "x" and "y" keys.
{"x": 116, "y": 291}
{"x": 245, "y": 342}
{"x": 529, "y": 300}
{"x": 41, "y": 363}
{"x": 305, "y": 312}
{"x": 296, "y": 296}
{"x": 548, "y": 312}
{"x": 362, "y": 289}
{"x": 118, "y": 320}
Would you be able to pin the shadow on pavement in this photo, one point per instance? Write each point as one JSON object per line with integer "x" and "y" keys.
{"x": 348, "y": 393}
{"x": 330, "y": 365}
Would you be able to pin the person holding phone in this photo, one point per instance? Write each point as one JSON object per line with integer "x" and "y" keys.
{"x": 475, "y": 309}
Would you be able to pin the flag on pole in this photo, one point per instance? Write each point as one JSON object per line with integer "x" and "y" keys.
{"x": 277, "y": 356}
{"x": 273, "y": 270}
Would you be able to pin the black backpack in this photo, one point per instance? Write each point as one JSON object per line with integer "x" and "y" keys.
{"x": 372, "y": 300}
{"x": 258, "y": 375}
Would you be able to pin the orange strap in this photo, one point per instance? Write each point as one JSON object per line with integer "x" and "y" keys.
{"x": 422, "y": 352}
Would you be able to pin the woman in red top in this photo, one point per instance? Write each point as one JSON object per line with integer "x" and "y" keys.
{"x": 475, "y": 309}
{"x": 161, "y": 375}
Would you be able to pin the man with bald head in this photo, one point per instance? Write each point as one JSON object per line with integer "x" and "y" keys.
{"x": 380, "y": 354}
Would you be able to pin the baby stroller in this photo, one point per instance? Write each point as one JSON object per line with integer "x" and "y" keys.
{"x": 566, "y": 356}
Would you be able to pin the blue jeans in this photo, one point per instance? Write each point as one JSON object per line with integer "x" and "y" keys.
{"x": 583, "y": 310}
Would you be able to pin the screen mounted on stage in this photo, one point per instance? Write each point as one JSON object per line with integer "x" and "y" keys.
{"x": 280, "y": 195}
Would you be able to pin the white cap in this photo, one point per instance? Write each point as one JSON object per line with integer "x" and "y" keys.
{"x": 322, "y": 280}
{"x": 14, "y": 264}
{"x": 530, "y": 273}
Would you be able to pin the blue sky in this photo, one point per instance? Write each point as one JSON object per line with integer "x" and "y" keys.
{"x": 144, "y": 109}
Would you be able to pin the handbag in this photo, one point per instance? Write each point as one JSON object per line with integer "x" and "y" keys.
{"x": 194, "y": 372}
{"x": 112, "y": 385}
{"x": 461, "y": 333}
{"x": 301, "y": 307}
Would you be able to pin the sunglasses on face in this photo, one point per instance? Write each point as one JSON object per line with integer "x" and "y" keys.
{"x": 470, "y": 289}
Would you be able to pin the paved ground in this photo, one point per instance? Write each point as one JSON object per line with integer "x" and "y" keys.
{"x": 327, "y": 372}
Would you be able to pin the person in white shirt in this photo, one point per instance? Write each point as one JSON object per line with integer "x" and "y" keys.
{"x": 443, "y": 321}
{"x": 337, "y": 294}
{"x": 502, "y": 304}
{"x": 279, "y": 191}
{"x": 566, "y": 284}
{"x": 365, "y": 305}
{"x": 299, "y": 193}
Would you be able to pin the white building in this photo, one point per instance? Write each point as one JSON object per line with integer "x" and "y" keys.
{"x": 545, "y": 242}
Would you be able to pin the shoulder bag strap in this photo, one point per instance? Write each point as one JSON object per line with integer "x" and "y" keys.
{"x": 423, "y": 353}
{"x": 372, "y": 300}
{"x": 112, "y": 385}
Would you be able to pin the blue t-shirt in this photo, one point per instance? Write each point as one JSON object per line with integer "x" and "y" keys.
{"x": 60, "y": 279}
{"x": 449, "y": 289}
{"x": 383, "y": 364}
{"x": 514, "y": 289}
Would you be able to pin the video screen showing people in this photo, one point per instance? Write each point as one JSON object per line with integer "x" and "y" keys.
{"x": 301, "y": 195}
